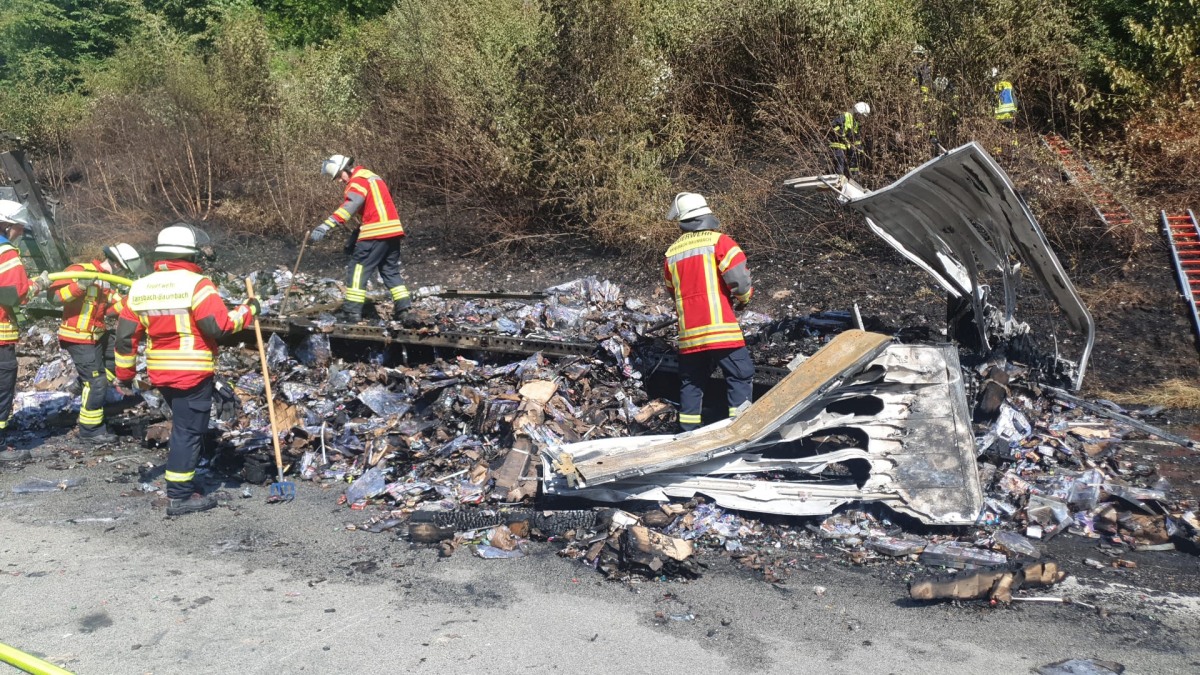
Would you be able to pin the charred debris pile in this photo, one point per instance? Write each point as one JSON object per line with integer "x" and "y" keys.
{"x": 866, "y": 451}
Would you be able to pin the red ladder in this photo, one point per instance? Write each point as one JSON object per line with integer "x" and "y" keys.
{"x": 1183, "y": 235}
{"x": 1110, "y": 211}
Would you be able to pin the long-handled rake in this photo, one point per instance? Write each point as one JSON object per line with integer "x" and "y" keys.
{"x": 292, "y": 282}
{"x": 280, "y": 491}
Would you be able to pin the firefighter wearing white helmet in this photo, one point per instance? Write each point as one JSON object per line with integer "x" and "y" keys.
{"x": 846, "y": 140}
{"x": 179, "y": 313}
{"x": 706, "y": 272}
{"x": 375, "y": 245}
{"x": 15, "y": 289}
{"x": 83, "y": 332}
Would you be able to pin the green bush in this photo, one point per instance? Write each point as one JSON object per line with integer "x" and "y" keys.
{"x": 528, "y": 120}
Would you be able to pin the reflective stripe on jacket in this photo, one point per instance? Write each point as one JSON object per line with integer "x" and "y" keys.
{"x": 380, "y": 220}
{"x": 845, "y": 132}
{"x": 695, "y": 269}
{"x": 12, "y": 273}
{"x": 1006, "y": 102}
{"x": 84, "y": 309}
{"x": 172, "y": 307}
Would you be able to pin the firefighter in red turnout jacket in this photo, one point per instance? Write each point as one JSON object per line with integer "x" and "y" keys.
{"x": 181, "y": 316}
{"x": 15, "y": 289}
{"x": 83, "y": 334}
{"x": 706, "y": 271}
{"x": 377, "y": 244}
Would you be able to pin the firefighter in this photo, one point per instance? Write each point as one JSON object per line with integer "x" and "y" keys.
{"x": 178, "y": 311}
{"x": 706, "y": 272}
{"x": 1005, "y": 109}
{"x": 83, "y": 334}
{"x": 846, "y": 140}
{"x": 15, "y": 289}
{"x": 923, "y": 82}
{"x": 377, "y": 243}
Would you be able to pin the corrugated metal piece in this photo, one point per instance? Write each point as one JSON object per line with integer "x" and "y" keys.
{"x": 959, "y": 215}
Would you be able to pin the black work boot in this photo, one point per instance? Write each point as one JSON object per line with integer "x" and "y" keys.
{"x": 197, "y": 502}
{"x": 351, "y": 312}
{"x": 98, "y": 436}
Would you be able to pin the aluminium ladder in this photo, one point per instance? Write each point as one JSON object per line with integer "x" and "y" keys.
{"x": 1110, "y": 211}
{"x": 1183, "y": 236}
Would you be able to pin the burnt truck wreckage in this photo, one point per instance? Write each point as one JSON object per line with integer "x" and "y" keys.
{"x": 485, "y": 418}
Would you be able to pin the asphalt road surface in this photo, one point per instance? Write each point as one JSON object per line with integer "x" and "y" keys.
{"x": 98, "y": 580}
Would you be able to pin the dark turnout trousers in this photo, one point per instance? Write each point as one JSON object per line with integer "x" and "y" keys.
{"x": 694, "y": 370}
{"x": 190, "y": 410}
{"x": 368, "y": 256}
{"x": 8, "y": 382}
{"x": 95, "y": 365}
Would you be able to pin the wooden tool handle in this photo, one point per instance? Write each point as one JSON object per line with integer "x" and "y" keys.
{"x": 266, "y": 373}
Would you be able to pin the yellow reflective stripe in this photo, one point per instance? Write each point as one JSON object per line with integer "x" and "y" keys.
{"x": 712, "y": 288}
{"x": 183, "y": 329}
{"x": 377, "y": 197}
{"x": 839, "y": 146}
{"x": 70, "y": 332}
{"x": 341, "y": 214}
{"x": 64, "y": 294}
{"x": 678, "y": 296}
{"x": 715, "y": 339}
{"x": 152, "y": 353}
{"x": 356, "y": 280}
{"x": 724, "y": 264}
{"x": 382, "y": 227}
{"x": 89, "y": 416}
{"x": 685, "y": 418}
{"x": 180, "y": 366}
{"x": 710, "y": 328}
{"x": 399, "y": 292}
{"x": 123, "y": 361}
{"x": 9, "y": 332}
{"x": 178, "y": 476}
{"x": 10, "y": 265}
{"x": 357, "y": 188}
{"x": 202, "y": 294}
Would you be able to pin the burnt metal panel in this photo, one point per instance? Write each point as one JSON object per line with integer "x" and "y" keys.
{"x": 904, "y": 407}
{"x": 847, "y": 353}
{"x": 40, "y": 246}
{"x": 960, "y": 215}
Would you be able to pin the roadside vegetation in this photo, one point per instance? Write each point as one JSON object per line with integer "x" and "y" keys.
{"x": 576, "y": 120}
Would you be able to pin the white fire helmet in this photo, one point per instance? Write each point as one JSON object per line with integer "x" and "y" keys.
{"x": 688, "y": 205}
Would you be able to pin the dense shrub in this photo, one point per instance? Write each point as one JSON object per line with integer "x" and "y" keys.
{"x": 536, "y": 120}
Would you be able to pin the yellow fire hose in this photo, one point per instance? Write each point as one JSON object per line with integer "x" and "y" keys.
{"x": 99, "y": 276}
{"x": 29, "y": 664}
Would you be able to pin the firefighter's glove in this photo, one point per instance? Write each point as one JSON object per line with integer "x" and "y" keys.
{"x": 124, "y": 387}
{"x": 739, "y": 306}
{"x": 40, "y": 283}
{"x": 254, "y": 306}
{"x": 319, "y": 233}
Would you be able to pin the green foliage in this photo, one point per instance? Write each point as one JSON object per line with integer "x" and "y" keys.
{"x": 50, "y": 42}
{"x": 1144, "y": 51}
{"x": 301, "y": 22}
{"x": 549, "y": 117}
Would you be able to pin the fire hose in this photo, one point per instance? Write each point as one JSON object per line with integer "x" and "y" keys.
{"x": 96, "y": 276}
{"x": 28, "y": 663}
